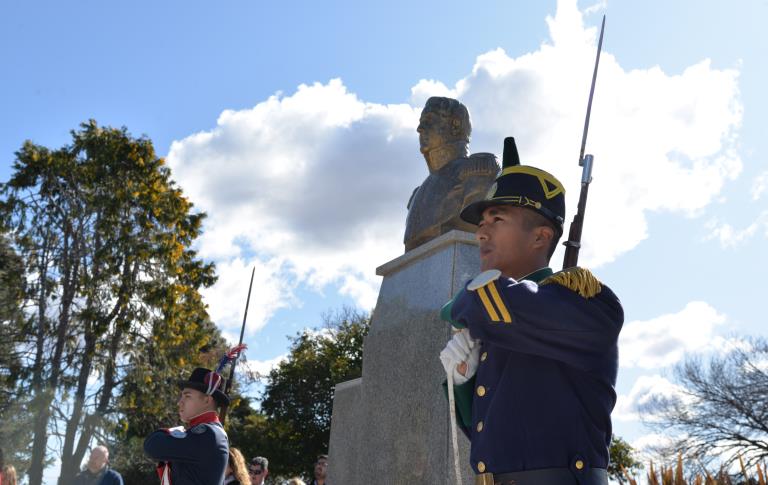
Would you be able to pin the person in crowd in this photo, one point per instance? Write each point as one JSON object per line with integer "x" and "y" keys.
{"x": 320, "y": 470}
{"x": 236, "y": 472}
{"x": 97, "y": 470}
{"x": 258, "y": 470}
{"x": 8, "y": 475}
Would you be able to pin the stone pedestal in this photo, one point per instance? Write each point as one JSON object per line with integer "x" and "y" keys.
{"x": 391, "y": 426}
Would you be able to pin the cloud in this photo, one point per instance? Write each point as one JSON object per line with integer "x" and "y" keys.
{"x": 662, "y": 142}
{"x": 325, "y": 333}
{"x": 426, "y": 88}
{"x": 596, "y": 7}
{"x": 645, "y": 390}
{"x": 759, "y": 185}
{"x": 731, "y": 238}
{"x": 646, "y": 447}
{"x": 664, "y": 340}
{"x": 262, "y": 368}
{"x": 314, "y": 184}
{"x": 226, "y": 299}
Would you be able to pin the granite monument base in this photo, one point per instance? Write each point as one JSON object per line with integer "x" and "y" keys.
{"x": 391, "y": 426}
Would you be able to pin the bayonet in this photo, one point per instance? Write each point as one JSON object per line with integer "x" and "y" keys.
{"x": 573, "y": 244}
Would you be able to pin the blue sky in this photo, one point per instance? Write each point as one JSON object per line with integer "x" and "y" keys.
{"x": 292, "y": 124}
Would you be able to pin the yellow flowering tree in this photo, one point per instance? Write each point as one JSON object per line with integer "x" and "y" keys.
{"x": 112, "y": 286}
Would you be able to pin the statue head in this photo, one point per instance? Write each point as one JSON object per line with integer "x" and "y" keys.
{"x": 444, "y": 131}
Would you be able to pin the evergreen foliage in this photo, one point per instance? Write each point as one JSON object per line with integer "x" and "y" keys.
{"x": 111, "y": 295}
{"x": 622, "y": 460}
{"x": 294, "y": 424}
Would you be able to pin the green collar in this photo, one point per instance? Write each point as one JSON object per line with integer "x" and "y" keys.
{"x": 538, "y": 275}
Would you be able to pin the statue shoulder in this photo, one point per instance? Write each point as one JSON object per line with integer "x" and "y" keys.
{"x": 480, "y": 164}
{"x": 413, "y": 195}
{"x": 484, "y": 157}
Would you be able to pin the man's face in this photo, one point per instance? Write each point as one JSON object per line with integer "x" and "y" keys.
{"x": 193, "y": 403}
{"x": 321, "y": 468}
{"x": 432, "y": 130}
{"x": 504, "y": 242}
{"x": 257, "y": 473}
{"x": 97, "y": 460}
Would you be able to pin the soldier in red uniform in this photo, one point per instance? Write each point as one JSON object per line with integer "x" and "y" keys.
{"x": 195, "y": 454}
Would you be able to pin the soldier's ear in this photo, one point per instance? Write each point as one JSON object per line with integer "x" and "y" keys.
{"x": 544, "y": 236}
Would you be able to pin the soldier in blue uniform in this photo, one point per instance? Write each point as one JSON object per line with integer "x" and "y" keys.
{"x": 196, "y": 454}
{"x": 535, "y": 362}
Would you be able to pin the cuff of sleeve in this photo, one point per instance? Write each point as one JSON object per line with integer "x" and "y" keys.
{"x": 445, "y": 312}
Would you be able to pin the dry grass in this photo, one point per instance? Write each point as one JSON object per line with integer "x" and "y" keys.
{"x": 673, "y": 475}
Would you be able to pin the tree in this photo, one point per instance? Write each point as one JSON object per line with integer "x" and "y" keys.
{"x": 15, "y": 433}
{"x": 294, "y": 424}
{"x": 722, "y": 412}
{"x": 11, "y": 315}
{"x": 622, "y": 459}
{"x": 11, "y": 286}
{"x": 112, "y": 286}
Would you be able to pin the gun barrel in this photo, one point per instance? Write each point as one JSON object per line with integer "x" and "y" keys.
{"x": 573, "y": 243}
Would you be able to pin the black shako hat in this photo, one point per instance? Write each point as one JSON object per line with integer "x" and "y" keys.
{"x": 522, "y": 186}
{"x": 207, "y": 382}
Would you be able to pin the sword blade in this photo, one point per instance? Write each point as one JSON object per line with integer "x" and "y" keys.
{"x": 242, "y": 332}
{"x": 247, "y": 301}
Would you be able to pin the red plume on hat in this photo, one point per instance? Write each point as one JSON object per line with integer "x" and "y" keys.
{"x": 211, "y": 382}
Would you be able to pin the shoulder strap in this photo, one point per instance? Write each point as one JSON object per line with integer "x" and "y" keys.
{"x": 580, "y": 280}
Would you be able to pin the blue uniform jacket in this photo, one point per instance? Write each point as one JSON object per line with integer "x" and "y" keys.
{"x": 197, "y": 456}
{"x": 544, "y": 389}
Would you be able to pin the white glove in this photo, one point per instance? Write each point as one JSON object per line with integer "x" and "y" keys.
{"x": 461, "y": 348}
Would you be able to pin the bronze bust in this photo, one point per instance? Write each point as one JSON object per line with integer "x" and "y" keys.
{"x": 455, "y": 179}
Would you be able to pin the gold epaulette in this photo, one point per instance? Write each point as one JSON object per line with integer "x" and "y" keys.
{"x": 580, "y": 280}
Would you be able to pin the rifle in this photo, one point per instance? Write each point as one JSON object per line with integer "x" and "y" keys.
{"x": 228, "y": 386}
{"x": 573, "y": 244}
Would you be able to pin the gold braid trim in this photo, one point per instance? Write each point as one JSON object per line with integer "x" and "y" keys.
{"x": 580, "y": 280}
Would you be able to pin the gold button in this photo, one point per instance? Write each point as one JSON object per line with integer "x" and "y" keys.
{"x": 579, "y": 464}
{"x": 480, "y": 426}
{"x": 481, "y": 467}
{"x": 484, "y": 356}
{"x": 480, "y": 391}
